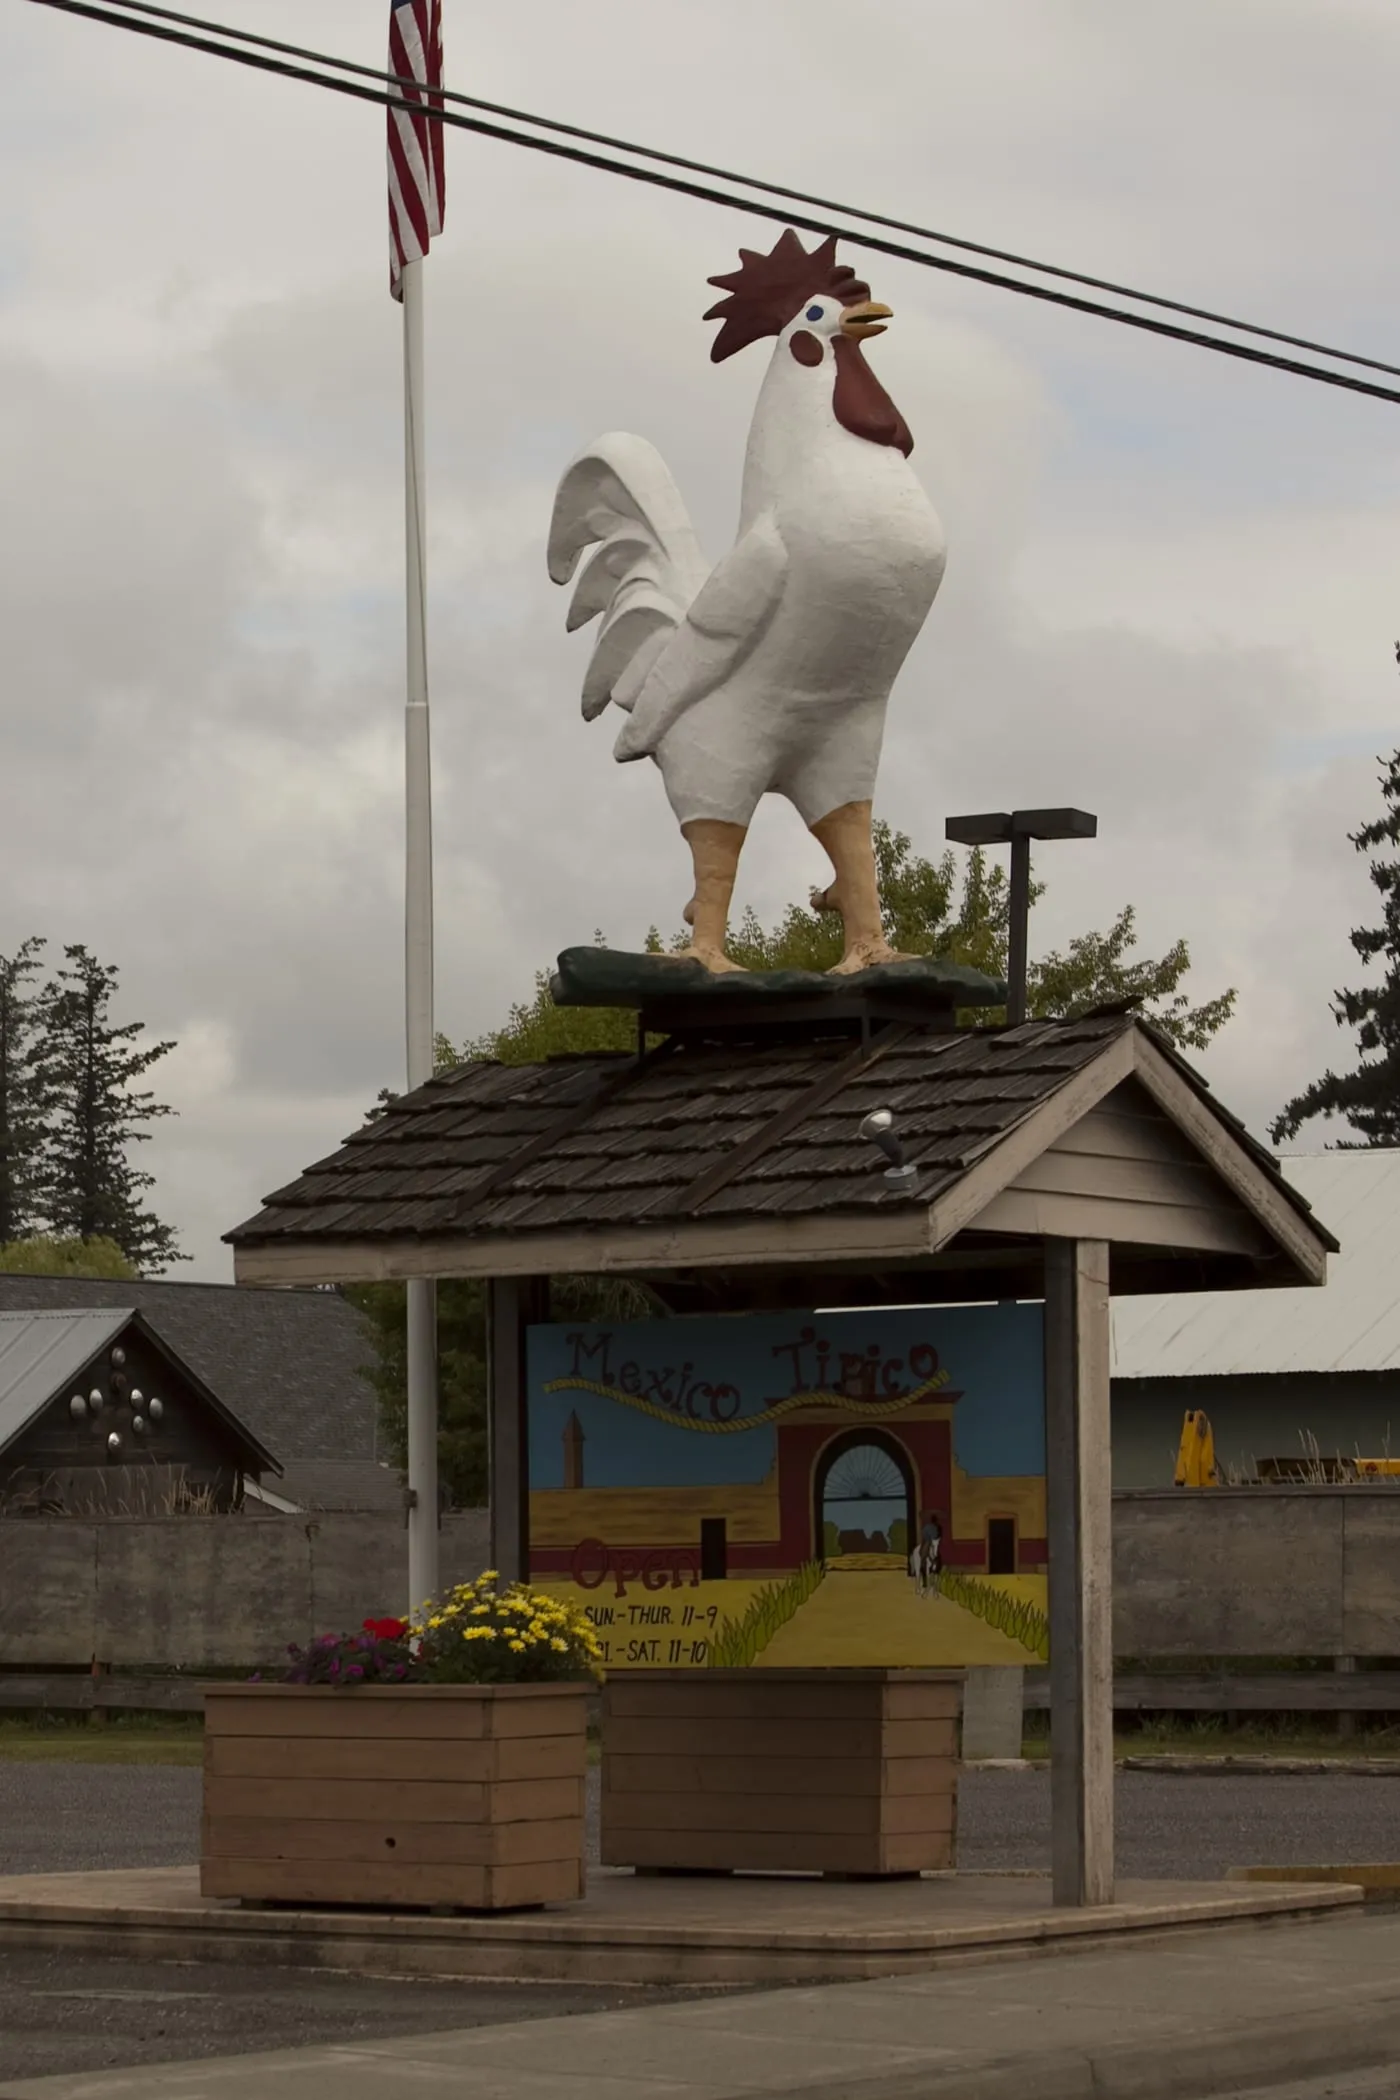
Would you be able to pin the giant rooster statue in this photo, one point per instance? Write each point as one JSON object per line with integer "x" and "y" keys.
{"x": 770, "y": 673}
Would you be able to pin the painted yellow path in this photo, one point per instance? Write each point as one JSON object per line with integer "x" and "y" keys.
{"x": 853, "y": 1618}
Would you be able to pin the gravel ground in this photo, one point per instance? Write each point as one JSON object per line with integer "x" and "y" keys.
{"x": 56, "y": 1818}
{"x": 73, "y": 2013}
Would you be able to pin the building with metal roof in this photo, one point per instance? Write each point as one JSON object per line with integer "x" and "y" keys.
{"x": 99, "y": 1414}
{"x": 291, "y": 1365}
{"x": 1275, "y": 1370}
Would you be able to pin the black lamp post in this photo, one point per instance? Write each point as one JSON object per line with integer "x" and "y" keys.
{"x": 1017, "y": 828}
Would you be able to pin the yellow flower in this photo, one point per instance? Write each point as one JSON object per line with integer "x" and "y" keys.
{"x": 488, "y": 1575}
{"x": 561, "y": 1647}
{"x": 519, "y": 1646}
{"x": 477, "y": 1633}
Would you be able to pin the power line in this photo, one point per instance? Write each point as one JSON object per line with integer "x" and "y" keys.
{"x": 753, "y": 182}
{"x": 556, "y": 149}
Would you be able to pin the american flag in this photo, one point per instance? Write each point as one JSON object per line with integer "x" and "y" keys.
{"x": 417, "y": 186}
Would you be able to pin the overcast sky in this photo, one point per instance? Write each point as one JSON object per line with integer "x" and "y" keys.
{"x": 1170, "y": 595}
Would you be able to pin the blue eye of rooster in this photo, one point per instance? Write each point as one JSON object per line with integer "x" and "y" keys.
{"x": 814, "y": 313}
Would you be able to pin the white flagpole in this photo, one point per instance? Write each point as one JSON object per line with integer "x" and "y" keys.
{"x": 418, "y": 950}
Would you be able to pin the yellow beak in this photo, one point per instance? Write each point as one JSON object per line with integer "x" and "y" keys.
{"x": 868, "y": 318}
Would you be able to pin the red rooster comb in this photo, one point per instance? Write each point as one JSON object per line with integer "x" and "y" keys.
{"x": 767, "y": 290}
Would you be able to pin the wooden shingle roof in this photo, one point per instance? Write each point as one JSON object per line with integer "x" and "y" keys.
{"x": 715, "y": 1132}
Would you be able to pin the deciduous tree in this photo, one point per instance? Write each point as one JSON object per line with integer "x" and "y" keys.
{"x": 42, "y": 1255}
{"x": 928, "y": 909}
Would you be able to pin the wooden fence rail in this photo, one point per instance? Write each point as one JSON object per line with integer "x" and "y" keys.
{"x": 1280, "y": 1691}
{"x": 73, "y": 1693}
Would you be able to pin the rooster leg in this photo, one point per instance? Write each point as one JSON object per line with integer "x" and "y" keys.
{"x": 715, "y": 848}
{"x": 846, "y": 835}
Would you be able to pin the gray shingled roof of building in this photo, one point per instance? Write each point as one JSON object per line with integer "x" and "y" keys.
{"x": 600, "y": 1142}
{"x": 289, "y": 1364}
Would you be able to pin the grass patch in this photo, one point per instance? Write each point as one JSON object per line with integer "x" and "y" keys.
{"x": 1016, "y": 1617}
{"x": 1207, "y": 1735}
{"x": 119, "y": 1739}
{"x": 741, "y": 1641}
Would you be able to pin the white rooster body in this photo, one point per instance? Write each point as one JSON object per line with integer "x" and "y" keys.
{"x": 772, "y": 672}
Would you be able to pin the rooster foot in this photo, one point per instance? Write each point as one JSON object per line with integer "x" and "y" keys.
{"x": 714, "y": 959}
{"x": 867, "y": 955}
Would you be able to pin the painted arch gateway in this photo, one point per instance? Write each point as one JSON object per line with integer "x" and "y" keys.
{"x": 758, "y": 1489}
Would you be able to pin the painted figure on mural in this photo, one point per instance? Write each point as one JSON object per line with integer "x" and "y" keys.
{"x": 924, "y": 1560}
{"x": 771, "y": 673}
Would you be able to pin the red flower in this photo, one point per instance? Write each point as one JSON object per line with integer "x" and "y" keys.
{"x": 386, "y": 1629}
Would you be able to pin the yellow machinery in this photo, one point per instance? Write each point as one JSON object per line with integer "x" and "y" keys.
{"x": 1195, "y": 1461}
{"x": 1377, "y": 1468}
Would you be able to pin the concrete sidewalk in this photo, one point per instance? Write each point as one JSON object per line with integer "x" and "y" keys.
{"x": 1175, "y": 2020}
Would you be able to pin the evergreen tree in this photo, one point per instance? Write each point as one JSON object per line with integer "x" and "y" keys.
{"x": 23, "y": 1094}
{"x": 91, "y": 1189}
{"x": 1368, "y": 1098}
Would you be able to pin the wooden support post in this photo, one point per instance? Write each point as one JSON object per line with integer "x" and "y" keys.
{"x": 1079, "y": 1499}
{"x": 513, "y": 1303}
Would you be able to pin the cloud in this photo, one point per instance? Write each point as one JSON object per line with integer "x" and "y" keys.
{"x": 1169, "y": 591}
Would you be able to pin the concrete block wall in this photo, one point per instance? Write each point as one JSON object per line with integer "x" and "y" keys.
{"x": 1227, "y": 1572}
{"x": 205, "y": 1593}
{"x": 1256, "y": 1571}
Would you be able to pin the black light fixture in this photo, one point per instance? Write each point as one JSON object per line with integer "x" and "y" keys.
{"x": 1016, "y": 828}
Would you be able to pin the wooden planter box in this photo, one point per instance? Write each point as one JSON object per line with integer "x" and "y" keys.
{"x": 849, "y": 1772}
{"x": 465, "y": 1796}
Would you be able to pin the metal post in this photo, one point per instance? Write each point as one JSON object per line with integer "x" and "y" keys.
{"x": 1018, "y": 932}
{"x": 1078, "y": 1481}
{"x": 1016, "y": 828}
{"x": 418, "y": 948}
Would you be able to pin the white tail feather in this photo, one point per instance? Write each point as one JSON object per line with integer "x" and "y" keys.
{"x": 618, "y": 496}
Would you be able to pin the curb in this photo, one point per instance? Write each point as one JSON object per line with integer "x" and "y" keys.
{"x": 1378, "y": 1880}
{"x": 1344, "y": 2039}
{"x": 1268, "y": 1767}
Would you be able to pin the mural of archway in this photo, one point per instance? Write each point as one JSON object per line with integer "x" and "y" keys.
{"x": 863, "y": 1496}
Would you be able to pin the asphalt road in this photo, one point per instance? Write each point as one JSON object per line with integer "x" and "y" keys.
{"x": 69, "y": 2013}
{"x": 66, "y": 2013}
{"x": 57, "y": 1817}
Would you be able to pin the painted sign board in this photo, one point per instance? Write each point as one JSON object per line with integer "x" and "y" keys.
{"x": 798, "y": 1490}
